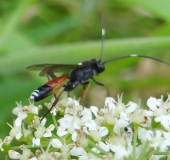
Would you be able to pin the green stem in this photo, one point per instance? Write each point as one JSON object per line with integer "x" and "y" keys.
{"x": 28, "y": 146}
{"x": 92, "y": 144}
{"x": 161, "y": 153}
{"x": 54, "y": 121}
{"x": 149, "y": 153}
{"x": 6, "y": 157}
{"x": 96, "y": 154}
{"x": 135, "y": 141}
{"x": 144, "y": 149}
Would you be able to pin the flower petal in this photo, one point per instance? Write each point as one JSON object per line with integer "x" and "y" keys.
{"x": 56, "y": 143}
{"x": 13, "y": 154}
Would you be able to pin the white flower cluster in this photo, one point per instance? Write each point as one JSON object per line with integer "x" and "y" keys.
{"x": 117, "y": 131}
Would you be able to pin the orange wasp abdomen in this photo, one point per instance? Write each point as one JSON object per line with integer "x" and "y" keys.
{"x": 49, "y": 88}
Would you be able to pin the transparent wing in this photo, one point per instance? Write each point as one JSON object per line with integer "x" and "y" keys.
{"x": 51, "y": 68}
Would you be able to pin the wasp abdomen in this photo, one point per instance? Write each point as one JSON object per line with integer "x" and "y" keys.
{"x": 40, "y": 93}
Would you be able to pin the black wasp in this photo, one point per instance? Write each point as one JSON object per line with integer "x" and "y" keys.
{"x": 80, "y": 73}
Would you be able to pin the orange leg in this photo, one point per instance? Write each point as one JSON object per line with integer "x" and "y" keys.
{"x": 85, "y": 91}
{"x": 107, "y": 91}
{"x": 68, "y": 94}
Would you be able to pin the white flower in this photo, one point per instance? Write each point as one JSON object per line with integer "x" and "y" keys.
{"x": 141, "y": 117}
{"x": 26, "y": 152}
{"x": 71, "y": 105}
{"x": 144, "y": 134}
{"x": 48, "y": 131}
{"x": 17, "y": 109}
{"x": 61, "y": 131}
{"x": 44, "y": 156}
{"x": 56, "y": 143}
{"x": 164, "y": 120}
{"x": 95, "y": 135}
{"x": 69, "y": 124}
{"x": 65, "y": 152}
{"x": 55, "y": 155}
{"x": 166, "y": 104}
{"x": 86, "y": 115}
{"x": 54, "y": 111}
{"x": 166, "y": 141}
{"x": 1, "y": 144}
{"x": 13, "y": 154}
{"x": 120, "y": 106}
{"x": 103, "y": 131}
{"x": 121, "y": 147}
{"x": 39, "y": 132}
{"x": 122, "y": 122}
{"x": 104, "y": 146}
{"x": 131, "y": 107}
{"x": 33, "y": 158}
{"x": 21, "y": 111}
{"x": 33, "y": 109}
{"x": 153, "y": 103}
{"x": 115, "y": 131}
{"x": 99, "y": 115}
{"x": 43, "y": 122}
{"x": 18, "y": 122}
{"x": 66, "y": 122}
{"x": 36, "y": 142}
{"x": 109, "y": 118}
{"x": 16, "y": 132}
{"x": 95, "y": 150}
{"x": 8, "y": 140}
{"x": 110, "y": 103}
{"x": 91, "y": 125}
{"x": 78, "y": 151}
{"x": 94, "y": 110}
{"x": 157, "y": 140}
{"x": 120, "y": 152}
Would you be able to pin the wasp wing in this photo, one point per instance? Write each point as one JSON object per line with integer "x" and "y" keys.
{"x": 51, "y": 68}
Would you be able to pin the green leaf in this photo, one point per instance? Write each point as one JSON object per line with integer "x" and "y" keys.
{"x": 157, "y": 7}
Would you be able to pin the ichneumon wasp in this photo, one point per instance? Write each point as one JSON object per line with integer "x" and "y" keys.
{"x": 80, "y": 74}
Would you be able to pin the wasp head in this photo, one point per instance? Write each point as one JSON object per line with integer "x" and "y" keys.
{"x": 97, "y": 66}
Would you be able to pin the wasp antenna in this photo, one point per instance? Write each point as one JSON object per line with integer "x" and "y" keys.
{"x": 137, "y": 56}
{"x": 103, "y": 36}
{"x": 114, "y": 59}
{"x": 152, "y": 58}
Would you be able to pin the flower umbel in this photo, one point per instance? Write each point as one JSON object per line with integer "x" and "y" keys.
{"x": 117, "y": 131}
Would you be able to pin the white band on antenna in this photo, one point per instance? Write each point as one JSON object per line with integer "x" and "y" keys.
{"x": 103, "y": 32}
{"x": 134, "y": 55}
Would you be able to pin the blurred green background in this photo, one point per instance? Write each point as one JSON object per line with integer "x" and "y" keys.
{"x": 64, "y": 31}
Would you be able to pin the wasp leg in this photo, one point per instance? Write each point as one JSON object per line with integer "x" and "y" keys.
{"x": 68, "y": 93}
{"x": 101, "y": 84}
{"x": 53, "y": 104}
{"x": 86, "y": 87}
{"x": 48, "y": 77}
{"x": 52, "y": 75}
